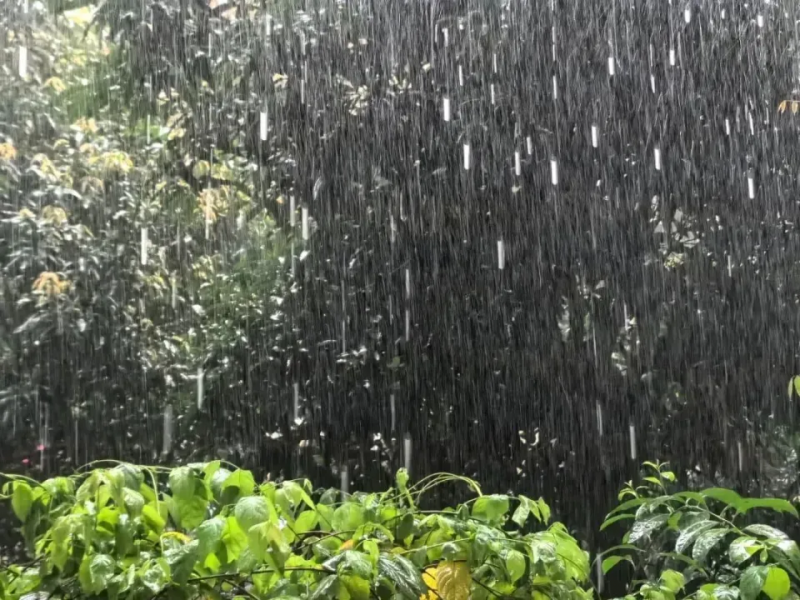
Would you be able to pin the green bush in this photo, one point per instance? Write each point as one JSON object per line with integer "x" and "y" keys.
{"x": 210, "y": 530}
{"x": 702, "y": 544}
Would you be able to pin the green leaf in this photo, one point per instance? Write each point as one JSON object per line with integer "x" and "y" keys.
{"x": 490, "y": 508}
{"x": 706, "y": 541}
{"x": 237, "y": 484}
{"x": 724, "y": 495}
{"x": 181, "y": 482}
{"x": 181, "y": 561}
{"x": 152, "y": 518}
{"x": 544, "y": 509}
{"x": 356, "y": 563}
{"x": 216, "y": 478}
{"x": 672, "y": 580}
{"x": 688, "y": 535}
{"x": 633, "y": 503}
{"x": 251, "y": 510}
{"x": 752, "y": 582}
{"x": 209, "y": 534}
{"x": 134, "y": 501}
{"x": 522, "y": 512}
{"x": 403, "y": 574}
{"x": 266, "y": 538}
{"x": 348, "y": 517}
{"x": 357, "y": 587}
{"x": 647, "y": 526}
{"x": 233, "y": 538}
{"x": 766, "y": 531}
{"x": 191, "y": 511}
{"x": 742, "y": 548}
{"x": 776, "y": 504}
{"x": 95, "y": 572}
{"x": 515, "y": 565}
{"x": 777, "y": 584}
{"x": 326, "y": 588}
{"x": 22, "y": 500}
{"x": 612, "y": 561}
{"x": 155, "y": 575}
{"x": 609, "y": 522}
{"x": 306, "y": 521}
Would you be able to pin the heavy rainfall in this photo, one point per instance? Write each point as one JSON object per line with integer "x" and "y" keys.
{"x": 529, "y": 243}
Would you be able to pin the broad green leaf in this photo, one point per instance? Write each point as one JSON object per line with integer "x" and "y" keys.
{"x": 152, "y": 518}
{"x": 356, "y": 563}
{"x": 766, "y": 531}
{"x": 95, "y": 572}
{"x": 609, "y": 522}
{"x": 191, "y": 511}
{"x": 743, "y": 548}
{"x": 251, "y": 510}
{"x": 633, "y": 503}
{"x": 182, "y": 482}
{"x": 715, "y": 591}
{"x": 357, "y": 587}
{"x": 22, "y": 500}
{"x": 647, "y": 526}
{"x": 348, "y": 517}
{"x": 791, "y": 552}
{"x": 237, "y": 484}
{"x": 306, "y": 521}
{"x": 612, "y": 561}
{"x": 326, "y": 588}
{"x": 490, "y": 508}
{"x": 134, "y": 501}
{"x": 209, "y": 534}
{"x": 265, "y": 539}
{"x": 59, "y": 486}
{"x": 777, "y": 583}
{"x": 155, "y": 575}
{"x": 522, "y": 512}
{"x": 515, "y": 565}
{"x": 233, "y": 538}
{"x": 724, "y": 495}
{"x": 403, "y": 574}
{"x": 544, "y": 510}
{"x": 777, "y": 504}
{"x": 688, "y": 535}
{"x": 752, "y": 582}
{"x": 216, "y": 479}
{"x": 706, "y": 541}
{"x": 672, "y": 580}
{"x": 181, "y": 561}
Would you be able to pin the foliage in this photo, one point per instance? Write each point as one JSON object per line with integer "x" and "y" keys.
{"x": 702, "y": 544}
{"x": 209, "y": 530}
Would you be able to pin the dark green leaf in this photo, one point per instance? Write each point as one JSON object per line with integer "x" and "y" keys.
{"x": 646, "y": 527}
{"x": 766, "y": 531}
{"x": 752, "y": 582}
{"x": 689, "y": 535}
{"x": 706, "y": 541}
{"x": 609, "y": 522}
{"x": 612, "y": 561}
{"x": 403, "y": 574}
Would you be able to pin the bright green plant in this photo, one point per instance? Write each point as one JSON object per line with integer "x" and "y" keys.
{"x": 210, "y": 530}
{"x": 702, "y": 544}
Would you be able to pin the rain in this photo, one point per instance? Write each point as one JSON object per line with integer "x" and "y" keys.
{"x": 532, "y": 242}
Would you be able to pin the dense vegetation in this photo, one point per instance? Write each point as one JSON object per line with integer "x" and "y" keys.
{"x": 176, "y": 288}
{"x": 211, "y": 531}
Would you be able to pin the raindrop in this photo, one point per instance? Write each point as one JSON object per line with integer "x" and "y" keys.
{"x": 460, "y": 76}
{"x": 494, "y": 62}
{"x": 491, "y": 93}
{"x": 750, "y": 122}
{"x": 632, "y": 431}
{"x": 143, "y": 246}
{"x": 344, "y": 478}
{"x": 730, "y": 266}
{"x": 393, "y": 411}
{"x": 263, "y": 126}
{"x": 407, "y": 452}
{"x": 595, "y": 136}
{"x": 687, "y": 14}
{"x": 529, "y": 144}
{"x": 268, "y": 25}
{"x": 166, "y": 445}
{"x": 555, "y": 88}
{"x": 241, "y": 220}
{"x": 392, "y": 230}
{"x": 147, "y": 131}
{"x": 292, "y": 212}
{"x": 517, "y": 163}
{"x": 408, "y": 284}
{"x": 408, "y": 325}
{"x": 599, "y": 410}
{"x": 751, "y": 187}
{"x": 653, "y": 83}
{"x": 599, "y": 572}
{"x": 23, "y": 62}
{"x": 740, "y": 454}
{"x": 200, "y": 377}
{"x": 723, "y": 14}
{"x": 554, "y": 171}
{"x": 446, "y": 35}
{"x": 446, "y": 109}
{"x": 555, "y": 55}
{"x": 611, "y": 66}
{"x": 501, "y": 255}
{"x": 296, "y": 397}
{"x": 657, "y": 156}
{"x": 174, "y": 298}
{"x": 304, "y": 223}
{"x": 467, "y": 156}
{"x": 302, "y": 91}
{"x": 727, "y": 127}
{"x": 760, "y": 21}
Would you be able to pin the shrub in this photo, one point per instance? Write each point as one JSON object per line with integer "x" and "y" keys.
{"x": 702, "y": 544}
{"x": 209, "y": 530}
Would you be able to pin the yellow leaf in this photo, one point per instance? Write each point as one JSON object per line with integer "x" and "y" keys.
{"x": 348, "y": 545}
{"x": 7, "y": 151}
{"x": 429, "y": 578}
{"x": 453, "y": 580}
{"x": 782, "y": 106}
{"x": 55, "y": 84}
{"x": 795, "y": 107}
